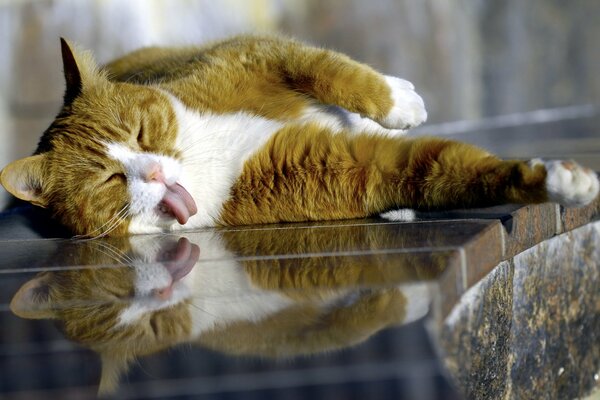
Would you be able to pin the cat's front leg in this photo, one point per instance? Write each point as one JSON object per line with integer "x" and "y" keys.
{"x": 335, "y": 79}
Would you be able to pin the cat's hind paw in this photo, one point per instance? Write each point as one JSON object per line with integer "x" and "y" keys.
{"x": 400, "y": 215}
{"x": 408, "y": 110}
{"x": 570, "y": 184}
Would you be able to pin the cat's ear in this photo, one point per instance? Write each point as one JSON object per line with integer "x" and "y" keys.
{"x": 71, "y": 71}
{"x": 79, "y": 69}
{"x": 32, "y": 301}
{"x": 113, "y": 366}
{"x": 24, "y": 179}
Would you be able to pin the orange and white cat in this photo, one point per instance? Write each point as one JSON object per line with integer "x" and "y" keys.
{"x": 256, "y": 130}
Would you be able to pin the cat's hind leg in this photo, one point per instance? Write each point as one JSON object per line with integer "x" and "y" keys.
{"x": 568, "y": 183}
{"x": 436, "y": 174}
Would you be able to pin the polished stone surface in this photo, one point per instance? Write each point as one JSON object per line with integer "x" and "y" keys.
{"x": 325, "y": 308}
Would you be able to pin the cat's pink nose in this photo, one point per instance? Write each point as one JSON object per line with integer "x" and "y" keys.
{"x": 155, "y": 173}
{"x": 164, "y": 293}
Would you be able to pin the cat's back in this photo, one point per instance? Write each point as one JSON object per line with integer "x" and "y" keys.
{"x": 164, "y": 64}
{"x": 156, "y": 64}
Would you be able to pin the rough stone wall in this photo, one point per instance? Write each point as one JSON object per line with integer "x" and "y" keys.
{"x": 531, "y": 328}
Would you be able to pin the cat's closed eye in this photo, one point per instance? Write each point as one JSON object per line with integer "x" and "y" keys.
{"x": 117, "y": 177}
{"x": 141, "y": 135}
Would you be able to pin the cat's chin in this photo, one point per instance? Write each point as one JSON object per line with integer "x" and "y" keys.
{"x": 154, "y": 221}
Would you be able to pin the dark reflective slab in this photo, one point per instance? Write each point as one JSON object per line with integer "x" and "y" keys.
{"x": 171, "y": 314}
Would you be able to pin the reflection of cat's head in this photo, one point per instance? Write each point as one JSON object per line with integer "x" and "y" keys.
{"x": 119, "y": 310}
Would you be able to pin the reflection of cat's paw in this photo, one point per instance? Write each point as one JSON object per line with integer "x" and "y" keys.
{"x": 408, "y": 110}
{"x": 418, "y": 300}
{"x": 570, "y": 184}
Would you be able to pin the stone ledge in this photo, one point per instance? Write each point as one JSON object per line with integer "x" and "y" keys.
{"x": 530, "y": 328}
{"x": 456, "y": 248}
{"x": 516, "y": 229}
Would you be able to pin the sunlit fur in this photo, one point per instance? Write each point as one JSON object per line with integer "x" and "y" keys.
{"x": 251, "y": 123}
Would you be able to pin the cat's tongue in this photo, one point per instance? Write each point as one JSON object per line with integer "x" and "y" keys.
{"x": 179, "y": 202}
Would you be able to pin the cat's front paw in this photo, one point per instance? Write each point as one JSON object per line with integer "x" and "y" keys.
{"x": 570, "y": 184}
{"x": 408, "y": 110}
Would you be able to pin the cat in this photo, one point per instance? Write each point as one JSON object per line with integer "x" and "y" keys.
{"x": 254, "y": 130}
{"x": 139, "y": 295}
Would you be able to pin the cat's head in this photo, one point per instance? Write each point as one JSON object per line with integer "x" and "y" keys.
{"x": 109, "y": 157}
{"x": 133, "y": 302}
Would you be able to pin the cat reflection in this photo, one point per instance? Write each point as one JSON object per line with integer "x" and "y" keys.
{"x": 150, "y": 293}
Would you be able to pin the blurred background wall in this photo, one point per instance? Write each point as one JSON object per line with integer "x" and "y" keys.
{"x": 468, "y": 58}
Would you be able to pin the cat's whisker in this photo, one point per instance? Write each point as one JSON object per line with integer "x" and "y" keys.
{"x": 110, "y": 254}
{"x": 109, "y": 222}
{"x": 131, "y": 77}
{"x": 196, "y": 306}
{"x": 116, "y": 253}
{"x": 115, "y": 219}
{"x": 117, "y": 222}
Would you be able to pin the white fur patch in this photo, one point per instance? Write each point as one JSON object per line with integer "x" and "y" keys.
{"x": 144, "y": 195}
{"x": 223, "y": 292}
{"x": 570, "y": 184}
{"x": 401, "y": 215}
{"x": 337, "y": 119}
{"x": 215, "y": 148}
{"x": 408, "y": 110}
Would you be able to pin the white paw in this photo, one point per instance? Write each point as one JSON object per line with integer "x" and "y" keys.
{"x": 401, "y": 215}
{"x": 570, "y": 184}
{"x": 408, "y": 110}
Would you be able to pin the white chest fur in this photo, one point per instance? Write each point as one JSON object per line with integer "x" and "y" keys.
{"x": 214, "y": 149}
